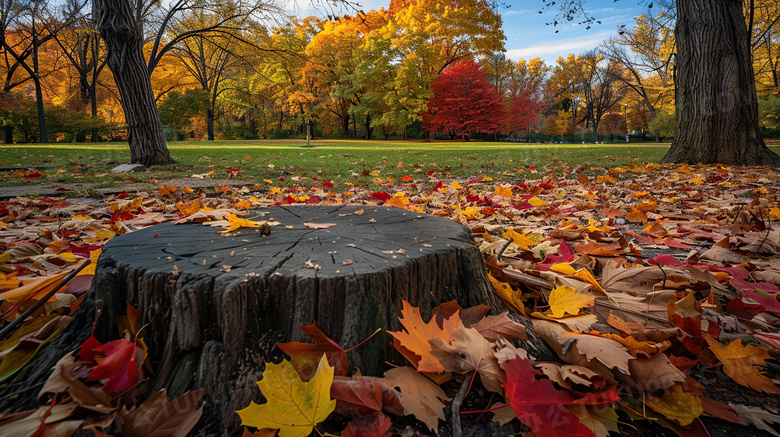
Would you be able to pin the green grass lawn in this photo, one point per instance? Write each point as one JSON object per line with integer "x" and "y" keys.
{"x": 354, "y": 161}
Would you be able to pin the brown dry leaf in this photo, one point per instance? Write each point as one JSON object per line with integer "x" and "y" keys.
{"x": 598, "y": 249}
{"x": 506, "y": 351}
{"x": 413, "y": 342}
{"x": 62, "y": 380}
{"x": 469, "y": 350}
{"x": 607, "y": 351}
{"x": 758, "y": 417}
{"x": 720, "y": 252}
{"x": 158, "y": 417}
{"x": 623, "y": 326}
{"x": 364, "y": 395}
{"x": 319, "y": 225}
{"x": 493, "y": 327}
{"x": 567, "y": 375}
{"x": 636, "y": 216}
{"x": 207, "y": 216}
{"x": 655, "y": 373}
{"x": 420, "y": 396}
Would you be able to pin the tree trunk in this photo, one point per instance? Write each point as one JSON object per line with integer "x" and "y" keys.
{"x": 9, "y": 134}
{"x": 216, "y": 305}
{"x": 210, "y": 123}
{"x": 124, "y": 40}
{"x": 715, "y": 92}
{"x": 42, "y": 137}
{"x": 345, "y": 125}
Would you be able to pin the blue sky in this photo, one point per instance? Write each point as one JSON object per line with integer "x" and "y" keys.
{"x": 528, "y": 37}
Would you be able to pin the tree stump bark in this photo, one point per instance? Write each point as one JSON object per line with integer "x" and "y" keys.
{"x": 216, "y": 305}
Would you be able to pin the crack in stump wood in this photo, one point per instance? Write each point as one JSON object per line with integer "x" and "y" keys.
{"x": 225, "y": 321}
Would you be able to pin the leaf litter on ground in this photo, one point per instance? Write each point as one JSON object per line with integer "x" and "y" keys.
{"x": 648, "y": 282}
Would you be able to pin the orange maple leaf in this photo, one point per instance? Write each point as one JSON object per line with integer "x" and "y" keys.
{"x": 413, "y": 342}
{"x": 166, "y": 190}
{"x": 739, "y": 363}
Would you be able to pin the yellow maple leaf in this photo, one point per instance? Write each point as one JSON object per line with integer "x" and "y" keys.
{"x": 504, "y": 190}
{"x": 565, "y": 299}
{"x": 581, "y": 274}
{"x": 677, "y": 405}
{"x": 523, "y": 241}
{"x": 243, "y": 204}
{"x": 188, "y": 208}
{"x": 2, "y": 224}
{"x": 697, "y": 181}
{"x": 456, "y": 185}
{"x": 774, "y": 214}
{"x": 294, "y": 407}
{"x": 93, "y": 257}
{"x": 236, "y": 222}
{"x": 535, "y": 201}
{"x": 739, "y": 363}
{"x": 510, "y": 297}
{"x": 166, "y": 190}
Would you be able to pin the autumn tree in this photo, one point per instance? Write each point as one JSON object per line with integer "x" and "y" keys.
{"x": 613, "y": 124}
{"x": 599, "y": 86}
{"x": 463, "y": 101}
{"x": 26, "y": 27}
{"x": 422, "y": 38}
{"x": 715, "y": 92}
{"x": 644, "y": 53}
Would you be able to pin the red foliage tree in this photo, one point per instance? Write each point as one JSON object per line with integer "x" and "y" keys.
{"x": 524, "y": 113}
{"x": 463, "y": 101}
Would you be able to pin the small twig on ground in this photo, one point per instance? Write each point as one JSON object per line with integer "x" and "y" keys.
{"x": 457, "y": 431}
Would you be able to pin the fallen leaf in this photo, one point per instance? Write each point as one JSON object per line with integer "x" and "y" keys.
{"x": 565, "y": 299}
{"x": 159, "y": 417}
{"x": 676, "y": 405}
{"x": 304, "y": 357}
{"x": 538, "y": 404}
{"x": 739, "y": 362}
{"x": 420, "y": 396}
{"x": 413, "y": 342}
{"x": 758, "y": 417}
{"x": 469, "y": 350}
{"x": 364, "y": 395}
{"x": 319, "y": 225}
{"x": 293, "y": 406}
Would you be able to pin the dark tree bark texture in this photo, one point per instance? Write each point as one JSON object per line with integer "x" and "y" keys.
{"x": 717, "y": 109}
{"x": 216, "y": 305}
{"x": 124, "y": 39}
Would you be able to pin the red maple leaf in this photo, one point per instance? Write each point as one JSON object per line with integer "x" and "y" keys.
{"x": 538, "y": 404}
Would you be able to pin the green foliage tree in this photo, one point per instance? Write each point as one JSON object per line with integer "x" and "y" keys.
{"x": 177, "y": 108}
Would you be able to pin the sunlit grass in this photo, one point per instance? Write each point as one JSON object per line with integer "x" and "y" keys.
{"x": 358, "y": 162}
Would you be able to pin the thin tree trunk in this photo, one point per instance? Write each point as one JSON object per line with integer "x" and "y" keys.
{"x": 124, "y": 40}
{"x": 43, "y": 138}
{"x": 9, "y": 134}
{"x": 210, "y": 123}
{"x": 715, "y": 92}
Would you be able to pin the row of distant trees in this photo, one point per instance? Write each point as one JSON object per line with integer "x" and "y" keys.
{"x": 241, "y": 68}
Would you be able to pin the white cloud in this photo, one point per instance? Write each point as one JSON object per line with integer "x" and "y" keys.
{"x": 573, "y": 45}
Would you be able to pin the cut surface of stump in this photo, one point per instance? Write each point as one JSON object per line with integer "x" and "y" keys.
{"x": 216, "y": 304}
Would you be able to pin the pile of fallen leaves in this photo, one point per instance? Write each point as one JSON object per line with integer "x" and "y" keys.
{"x": 656, "y": 286}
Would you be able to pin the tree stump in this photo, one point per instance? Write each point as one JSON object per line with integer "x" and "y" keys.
{"x": 216, "y": 304}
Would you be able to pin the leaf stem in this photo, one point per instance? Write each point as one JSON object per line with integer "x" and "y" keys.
{"x": 359, "y": 344}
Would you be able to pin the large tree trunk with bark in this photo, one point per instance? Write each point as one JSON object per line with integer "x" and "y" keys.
{"x": 124, "y": 39}
{"x": 216, "y": 305}
{"x": 717, "y": 106}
